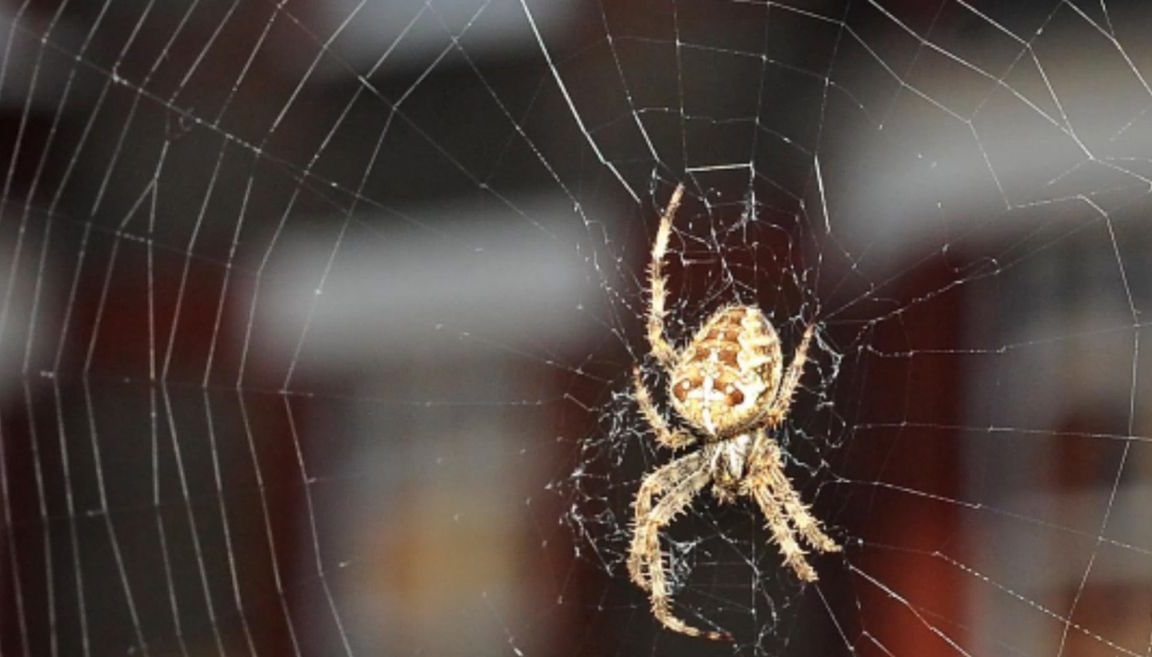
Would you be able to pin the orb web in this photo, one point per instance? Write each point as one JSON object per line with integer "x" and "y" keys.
{"x": 318, "y": 322}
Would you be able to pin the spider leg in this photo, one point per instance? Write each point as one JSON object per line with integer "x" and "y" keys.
{"x": 773, "y": 510}
{"x": 659, "y": 482}
{"x": 783, "y": 399}
{"x": 797, "y": 511}
{"x": 646, "y": 542}
{"x": 666, "y": 436}
{"x": 780, "y": 503}
{"x": 658, "y": 291}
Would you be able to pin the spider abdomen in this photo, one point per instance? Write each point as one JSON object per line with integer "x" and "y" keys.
{"x": 720, "y": 379}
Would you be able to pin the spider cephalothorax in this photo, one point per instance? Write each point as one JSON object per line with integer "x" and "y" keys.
{"x": 729, "y": 384}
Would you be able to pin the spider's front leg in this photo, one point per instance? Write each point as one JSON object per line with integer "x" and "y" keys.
{"x": 768, "y": 484}
{"x": 666, "y": 436}
{"x": 657, "y": 282}
{"x": 656, "y": 484}
{"x": 683, "y": 482}
{"x": 799, "y": 514}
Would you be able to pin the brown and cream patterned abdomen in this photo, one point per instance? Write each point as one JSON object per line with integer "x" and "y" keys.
{"x": 721, "y": 379}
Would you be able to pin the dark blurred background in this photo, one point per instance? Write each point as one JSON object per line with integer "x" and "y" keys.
{"x": 308, "y": 307}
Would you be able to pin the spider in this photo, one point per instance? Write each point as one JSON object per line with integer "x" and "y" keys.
{"x": 729, "y": 385}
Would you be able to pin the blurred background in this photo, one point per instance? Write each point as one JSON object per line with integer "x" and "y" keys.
{"x": 318, "y": 318}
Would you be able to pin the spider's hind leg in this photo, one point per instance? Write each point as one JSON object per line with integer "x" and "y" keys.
{"x": 658, "y": 284}
{"x": 666, "y": 436}
{"x": 783, "y": 400}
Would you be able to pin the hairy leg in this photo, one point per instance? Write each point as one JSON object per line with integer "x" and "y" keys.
{"x": 797, "y": 511}
{"x": 662, "y": 480}
{"x": 761, "y": 489}
{"x": 769, "y": 485}
{"x": 658, "y": 292}
{"x": 783, "y": 400}
{"x": 647, "y": 554}
{"x": 666, "y": 436}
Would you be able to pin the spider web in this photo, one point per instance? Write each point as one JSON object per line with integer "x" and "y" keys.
{"x": 745, "y": 258}
{"x": 319, "y": 321}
